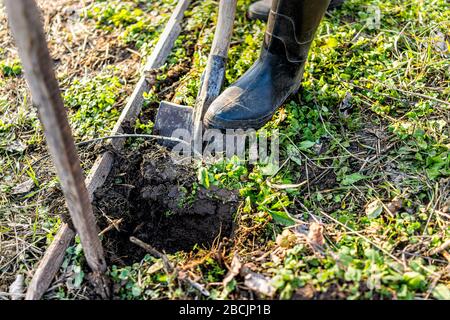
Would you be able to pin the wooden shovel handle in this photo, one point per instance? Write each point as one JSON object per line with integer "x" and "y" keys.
{"x": 214, "y": 74}
{"x": 222, "y": 35}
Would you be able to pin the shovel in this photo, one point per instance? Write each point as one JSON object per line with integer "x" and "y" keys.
{"x": 172, "y": 117}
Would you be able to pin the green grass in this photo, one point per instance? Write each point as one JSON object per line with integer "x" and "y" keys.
{"x": 10, "y": 69}
{"x": 92, "y": 102}
{"x": 138, "y": 26}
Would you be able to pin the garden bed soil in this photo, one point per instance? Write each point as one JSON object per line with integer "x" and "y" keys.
{"x": 148, "y": 195}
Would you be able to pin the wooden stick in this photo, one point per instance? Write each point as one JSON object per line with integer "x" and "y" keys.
{"x": 50, "y": 263}
{"x": 48, "y": 266}
{"x": 131, "y": 111}
{"x": 27, "y": 29}
{"x": 167, "y": 265}
{"x": 167, "y": 38}
{"x": 99, "y": 172}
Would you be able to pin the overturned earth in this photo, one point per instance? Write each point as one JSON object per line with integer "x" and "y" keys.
{"x": 150, "y": 196}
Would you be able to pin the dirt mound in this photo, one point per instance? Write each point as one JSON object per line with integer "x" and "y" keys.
{"x": 151, "y": 197}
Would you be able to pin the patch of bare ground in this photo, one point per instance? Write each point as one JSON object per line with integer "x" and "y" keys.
{"x": 148, "y": 195}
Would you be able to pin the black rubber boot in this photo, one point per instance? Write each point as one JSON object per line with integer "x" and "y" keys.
{"x": 253, "y": 99}
{"x": 260, "y": 9}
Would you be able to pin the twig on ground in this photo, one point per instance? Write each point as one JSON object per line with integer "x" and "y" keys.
{"x": 441, "y": 248}
{"x": 167, "y": 265}
{"x": 114, "y": 225}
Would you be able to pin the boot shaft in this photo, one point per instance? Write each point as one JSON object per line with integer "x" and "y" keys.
{"x": 292, "y": 26}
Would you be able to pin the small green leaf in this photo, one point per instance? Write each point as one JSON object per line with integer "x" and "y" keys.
{"x": 282, "y": 218}
{"x": 305, "y": 145}
{"x": 294, "y": 154}
{"x": 124, "y": 274}
{"x": 332, "y": 42}
{"x": 203, "y": 177}
{"x": 136, "y": 291}
{"x": 269, "y": 169}
{"x": 352, "y": 178}
{"x": 414, "y": 279}
{"x": 78, "y": 279}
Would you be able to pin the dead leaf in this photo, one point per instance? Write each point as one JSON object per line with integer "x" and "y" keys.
{"x": 16, "y": 288}
{"x": 446, "y": 255}
{"x": 305, "y": 293}
{"x": 183, "y": 276}
{"x": 346, "y": 105}
{"x": 200, "y": 287}
{"x": 259, "y": 283}
{"x": 236, "y": 266}
{"x": 16, "y": 146}
{"x": 374, "y": 209}
{"x": 286, "y": 239}
{"x": 23, "y": 187}
{"x": 158, "y": 265}
{"x": 394, "y": 206}
{"x": 315, "y": 234}
{"x": 440, "y": 43}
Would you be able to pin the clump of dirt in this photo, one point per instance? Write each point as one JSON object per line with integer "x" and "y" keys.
{"x": 152, "y": 197}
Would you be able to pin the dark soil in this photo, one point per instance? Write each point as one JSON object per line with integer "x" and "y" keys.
{"x": 159, "y": 203}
